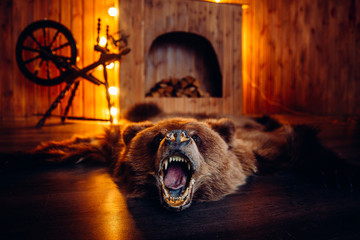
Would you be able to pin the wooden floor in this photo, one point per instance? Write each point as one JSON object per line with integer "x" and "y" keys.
{"x": 84, "y": 202}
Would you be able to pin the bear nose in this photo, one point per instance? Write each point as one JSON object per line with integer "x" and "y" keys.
{"x": 177, "y": 136}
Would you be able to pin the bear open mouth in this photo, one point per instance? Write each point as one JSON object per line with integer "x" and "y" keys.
{"x": 176, "y": 182}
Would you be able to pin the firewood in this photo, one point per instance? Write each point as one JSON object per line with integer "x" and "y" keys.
{"x": 173, "y": 87}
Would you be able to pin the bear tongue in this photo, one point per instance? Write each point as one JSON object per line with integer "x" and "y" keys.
{"x": 175, "y": 178}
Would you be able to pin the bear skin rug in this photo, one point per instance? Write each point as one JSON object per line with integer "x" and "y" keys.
{"x": 194, "y": 159}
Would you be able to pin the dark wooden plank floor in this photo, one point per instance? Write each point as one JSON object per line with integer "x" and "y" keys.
{"x": 84, "y": 202}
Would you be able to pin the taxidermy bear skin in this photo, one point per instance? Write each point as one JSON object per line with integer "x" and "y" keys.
{"x": 186, "y": 160}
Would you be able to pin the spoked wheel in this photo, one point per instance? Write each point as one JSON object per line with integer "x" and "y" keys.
{"x": 44, "y": 50}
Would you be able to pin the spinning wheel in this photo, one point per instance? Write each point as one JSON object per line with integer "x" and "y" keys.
{"x": 46, "y": 54}
{"x": 44, "y": 50}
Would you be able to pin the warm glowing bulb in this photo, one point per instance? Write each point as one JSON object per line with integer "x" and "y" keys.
{"x": 113, "y": 90}
{"x": 113, "y": 111}
{"x": 113, "y": 11}
{"x": 103, "y": 41}
{"x": 110, "y": 65}
{"x": 217, "y": 1}
{"x": 244, "y": 6}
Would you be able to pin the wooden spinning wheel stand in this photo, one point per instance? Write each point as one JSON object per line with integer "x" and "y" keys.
{"x": 46, "y": 54}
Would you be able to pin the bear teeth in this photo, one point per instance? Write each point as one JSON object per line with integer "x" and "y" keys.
{"x": 166, "y": 164}
{"x": 184, "y": 199}
{"x": 176, "y": 159}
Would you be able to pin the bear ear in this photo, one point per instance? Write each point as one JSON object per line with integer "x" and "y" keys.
{"x": 132, "y": 129}
{"x": 224, "y": 127}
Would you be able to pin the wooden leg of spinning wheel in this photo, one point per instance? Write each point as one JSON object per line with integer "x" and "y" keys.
{"x": 70, "y": 101}
{"x": 54, "y": 105}
{"x": 107, "y": 93}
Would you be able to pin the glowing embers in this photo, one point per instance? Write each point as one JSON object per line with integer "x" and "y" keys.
{"x": 176, "y": 182}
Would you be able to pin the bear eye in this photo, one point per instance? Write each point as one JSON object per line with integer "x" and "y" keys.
{"x": 158, "y": 138}
{"x": 196, "y": 138}
{"x": 155, "y": 143}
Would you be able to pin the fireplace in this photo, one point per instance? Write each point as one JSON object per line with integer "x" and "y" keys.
{"x": 176, "y": 39}
{"x": 177, "y": 55}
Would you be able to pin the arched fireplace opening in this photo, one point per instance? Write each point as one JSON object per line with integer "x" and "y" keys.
{"x": 182, "y": 55}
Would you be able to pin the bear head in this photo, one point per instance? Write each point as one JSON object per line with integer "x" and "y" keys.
{"x": 186, "y": 159}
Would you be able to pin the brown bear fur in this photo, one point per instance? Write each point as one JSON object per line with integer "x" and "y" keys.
{"x": 221, "y": 166}
{"x": 222, "y": 155}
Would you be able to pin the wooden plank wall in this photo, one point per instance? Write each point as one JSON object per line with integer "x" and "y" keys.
{"x": 301, "y": 57}
{"x": 20, "y": 98}
{"x": 146, "y": 20}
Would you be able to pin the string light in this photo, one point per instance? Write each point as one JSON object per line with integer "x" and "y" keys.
{"x": 110, "y": 65}
{"x": 113, "y": 111}
{"x": 113, "y": 11}
{"x": 217, "y": 1}
{"x": 113, "y": 90}
{"x": 103, "y": 41}
{"x": 244, "y": 6}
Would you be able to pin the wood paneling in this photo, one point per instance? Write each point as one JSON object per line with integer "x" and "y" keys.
{"x": 297, "y": 56}
{"x": 300, "y": 57}
{"x": 21, "y": 98}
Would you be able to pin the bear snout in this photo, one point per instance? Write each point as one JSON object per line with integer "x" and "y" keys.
{"x": 177, "y": 139}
